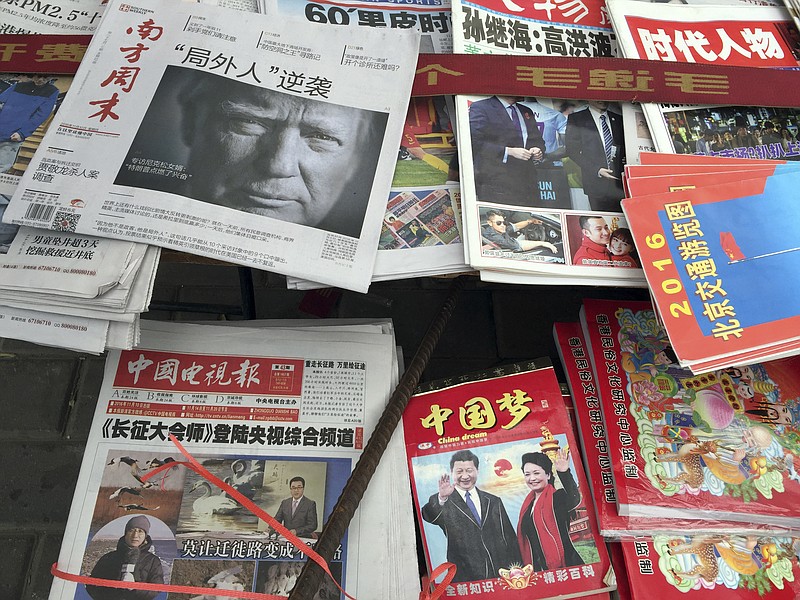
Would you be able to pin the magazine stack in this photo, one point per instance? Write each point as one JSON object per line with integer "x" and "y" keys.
{"x": 669, "y": 451}
{"x": 712, "y": 248}
{"x": 280, "y": 414}
{"x": 541, "y": 186}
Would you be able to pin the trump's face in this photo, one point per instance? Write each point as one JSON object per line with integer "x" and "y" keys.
{"x": 273, "y": 154}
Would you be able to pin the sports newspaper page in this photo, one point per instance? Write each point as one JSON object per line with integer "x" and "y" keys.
{"x": 274, "y": 406}
{"x": 262, "y": 142}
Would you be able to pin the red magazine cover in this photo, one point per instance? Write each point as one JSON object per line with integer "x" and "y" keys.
{"x": 642, "y": 180}
{"x": 708, "y": 567}
{"x": 720, "y": 445}
{"x": 710, "y": 254}
{"x": 499, "y": 487}
{"x": 576, "y": 360}
{"x": 667, "y": 158}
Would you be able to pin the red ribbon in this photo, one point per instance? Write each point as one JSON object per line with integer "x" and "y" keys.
{"x": 428, "y": 594}
{"x": 191, "y": 463}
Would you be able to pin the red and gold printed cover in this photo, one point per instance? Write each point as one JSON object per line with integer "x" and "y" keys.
{"x": 720, "y": 445}
{"x": 575, "y": 355}
{"x": 708, "y": 567}
{"x": 504, "y": 437}
{"x": 577, "y": 363}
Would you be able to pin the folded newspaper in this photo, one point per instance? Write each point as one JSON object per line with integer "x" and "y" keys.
{"x": 281, "y": 414}
{"x": 420, "y": 233}
{"x": 256, "y": 141}
{"x": 60, "y": 288}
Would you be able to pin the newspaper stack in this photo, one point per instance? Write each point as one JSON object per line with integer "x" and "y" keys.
{"x": 75, "y": 291}
{"x": 541, "y": 184}
{"x": 281, "y": 414}
{"x": 260, "y": 141}
{"x": 59, "y": 288}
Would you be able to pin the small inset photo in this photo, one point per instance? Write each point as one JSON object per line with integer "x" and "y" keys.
{"x": 598, "y": 240}
{"x": 137, "y": 548}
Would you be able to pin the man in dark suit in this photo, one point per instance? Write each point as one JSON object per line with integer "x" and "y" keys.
{"x": 595, "y": 141}
{"x": 480, "y": 537}
{"x": 506, "y": 145}
{"x": 298, "y": 514}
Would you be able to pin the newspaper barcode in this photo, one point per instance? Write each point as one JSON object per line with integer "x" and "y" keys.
{"x": 39, "y": 212}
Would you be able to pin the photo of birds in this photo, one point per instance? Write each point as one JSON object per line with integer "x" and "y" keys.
{"x": 125, "y": 488}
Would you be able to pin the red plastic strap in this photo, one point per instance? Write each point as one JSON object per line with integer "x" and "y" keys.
{"x": 191, "y": 463}
{"x": 159, "y": 587}
{"x": 427, "y": 593}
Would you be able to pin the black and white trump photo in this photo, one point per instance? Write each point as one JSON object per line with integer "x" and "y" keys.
{"x": 286, "y": 156}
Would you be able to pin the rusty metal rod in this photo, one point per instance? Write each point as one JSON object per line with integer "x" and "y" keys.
{"x": 311, "y": 576}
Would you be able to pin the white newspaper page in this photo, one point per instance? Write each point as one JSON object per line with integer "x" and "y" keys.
{"x": 122, "y": 336}
{"x": 637, "y": 134}
{"x": 738, "y": 35}
{"x": 65, "y": 263}
{"x": 575, "y": 28}
{"x": 542, "y": 195}
{"x": 426, "y": 160}
{"x": 281, "y": 416}
{"x": 75, "y": 17}
{"x": 122, "y": 303}
{"x": 420, "y": 236}
{"x": 275, "y": 128}
{"x": 430, "y": 17}
{"x": 422, "y": 219}
{"x": 243, "y": 5}
{"x": 81, "y": 334}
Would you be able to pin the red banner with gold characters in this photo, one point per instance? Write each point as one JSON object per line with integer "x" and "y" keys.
{"x": 613, "y": 79}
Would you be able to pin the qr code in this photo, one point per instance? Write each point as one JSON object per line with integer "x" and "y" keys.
{"x": 65, "y": 221}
